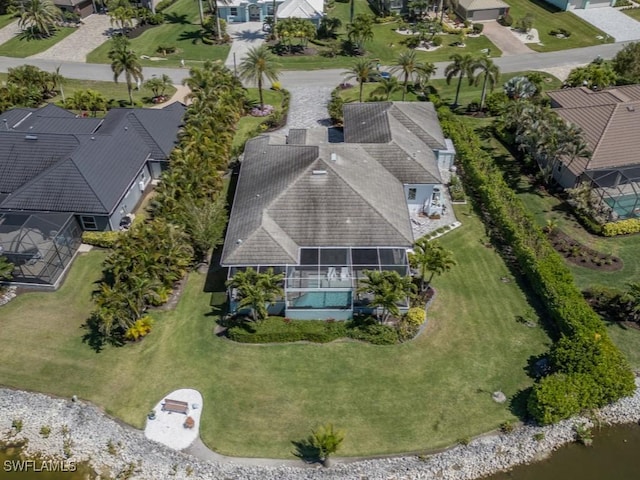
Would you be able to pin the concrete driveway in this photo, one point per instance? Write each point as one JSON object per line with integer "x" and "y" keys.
{"x": 612, "y": 22}
{"x": 504, "y": 40}
{"x": 245, "y": 36}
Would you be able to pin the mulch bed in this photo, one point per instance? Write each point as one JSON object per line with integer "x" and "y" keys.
{"x": 579, "y": 254}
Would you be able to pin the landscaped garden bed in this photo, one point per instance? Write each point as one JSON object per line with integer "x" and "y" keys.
{"x": 582, "y": 255}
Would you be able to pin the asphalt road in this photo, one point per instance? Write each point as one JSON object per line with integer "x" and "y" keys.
{"x": 317, "y": 78}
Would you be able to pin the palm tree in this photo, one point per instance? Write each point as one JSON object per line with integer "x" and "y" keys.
{"x": 489, "y": 72}
{"x": 362, "y": 71}
{"x": 259, "y": 63}
{"x": 386, "y": 86}
{"x": 430, "y": 258}
{"x": 257, "y": 290}
{"x": 200, "y": 12}
{"x": 408, "y": 66}
{"x": 123, "y": 17}
{"x": 124, "y": 60}
{"x": 158, "y": 85}
{"x": 388, "y": 289}
{"x": 632, "y": 298}
{"x": 461, "y": 66}
{"x": 58, "y": 80}
{"x": 38, "y": 18}
{"x": 360, "y": 30}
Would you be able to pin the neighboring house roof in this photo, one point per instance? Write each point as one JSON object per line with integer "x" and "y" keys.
{"x": 240, "y": 3}
{"x": 329, "y": 194}
{"x": 305, "y": 9}
{"x": 610, "y": 121}
{"x": 54, "y": 161}
{"x": 473, "y": 5}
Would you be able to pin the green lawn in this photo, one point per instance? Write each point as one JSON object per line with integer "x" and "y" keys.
{"x": 20, "y": 47}
{"x": 111, "y": 90}
{"x": 386, "y": 45}
{"x": 632, "y": 12}
{"x": 6, "y": 20}
{"x": 468, "y": 93}
{"x": 546, "y": 18}
{"x": 420, "y": 395}
{"x": 182, "y": 30}
{"x": 248, "y": 124}
{"x": 544, "y": 207}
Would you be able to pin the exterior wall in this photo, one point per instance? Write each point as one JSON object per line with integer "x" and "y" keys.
{"x": 423, "y": 193}
{"x": 446, "y": 157}
{"x": 131, "y": 199}
{"x": 156, "y": 168}
{"x": 483, "y": 15}
{"x": 313, "y": 314}
{"x": 84, "y": 9}
{"x": 565, "y": 178}
{"x": 242, "y": 13}
{"x": 564, "y": 4}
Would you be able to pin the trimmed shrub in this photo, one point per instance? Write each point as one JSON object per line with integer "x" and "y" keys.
{"x": 622, "y": 227}
{"x": 436, "y": 41}
{"x": 374, "y": 333}
{"x": 165, "y": 50}
{"x": 505, "y": 20}
{"x": 101, "y": 239}
{"x": 335, "y": 107}
{"x": 477, "y": 28}
{"x": 415, "y": 316}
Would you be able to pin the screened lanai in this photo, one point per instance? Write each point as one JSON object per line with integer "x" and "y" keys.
{"x": 618, "y": 190}
{"x": 39, "y": 245}
{"x": 325, "y": 282}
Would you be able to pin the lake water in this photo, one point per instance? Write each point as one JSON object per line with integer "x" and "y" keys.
{"x": 615, "y": 455}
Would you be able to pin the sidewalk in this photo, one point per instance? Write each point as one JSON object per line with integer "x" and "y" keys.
{"x": 245, "y": 36}
{"x": 94, "y": 31}
{"x": 9, "y": 31}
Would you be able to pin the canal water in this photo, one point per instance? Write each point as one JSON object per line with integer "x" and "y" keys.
{"x": 615, "y": 455}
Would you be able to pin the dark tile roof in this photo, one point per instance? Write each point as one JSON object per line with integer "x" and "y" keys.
{"x": 366, "y": 122}
{"x": 9, "y": 118}
{"x": 74, "y": 125}
{"x": 159, "y": 127}
{"x": 22, "y": 159}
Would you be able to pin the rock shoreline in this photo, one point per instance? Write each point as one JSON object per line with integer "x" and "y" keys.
{"x": 82, "y": 433}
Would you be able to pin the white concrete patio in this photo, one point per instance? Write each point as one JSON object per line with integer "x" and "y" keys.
{"x": 168, "y": 427}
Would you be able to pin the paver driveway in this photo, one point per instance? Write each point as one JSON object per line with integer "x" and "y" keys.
{"x": 612, "y": 22}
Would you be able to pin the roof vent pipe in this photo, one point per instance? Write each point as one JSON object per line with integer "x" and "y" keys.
{"x": 318, "y": 172}
{"x": 334, "y": 157}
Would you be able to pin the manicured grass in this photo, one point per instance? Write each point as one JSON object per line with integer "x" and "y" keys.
{"x": 632, "y": 12}
{"x": 182, "y": 30}
{"x": 21, "y": 47}
{"x": 546, "y": 18}
{"x": 248, "y": 124}
{"x": 6, "y": 20}
{"x": 446, "y": 92}
{"x": 423, "y": 394}
{"x": 385, "y": 46}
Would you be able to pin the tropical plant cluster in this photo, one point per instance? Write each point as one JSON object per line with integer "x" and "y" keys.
{"x": 38, "y": 19}
{"x": 588, "y": 371}
{"x": 614, "y": 304}
{"x": 621, "y": 227}
{"x": 188, "y": 212}
{"x": 28, "y": 86}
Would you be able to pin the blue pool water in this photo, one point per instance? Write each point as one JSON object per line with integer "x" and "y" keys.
{"x": 323, "y": 300}
{"x": 625, "y": 206}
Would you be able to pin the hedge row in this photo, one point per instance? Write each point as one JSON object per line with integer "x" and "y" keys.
{"x": 101, "y": 239}
{"x": 596, "y": 373}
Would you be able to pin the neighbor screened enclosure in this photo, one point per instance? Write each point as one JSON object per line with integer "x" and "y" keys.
{"x": 618, "y": 190}
{"x": 39, "y": 245}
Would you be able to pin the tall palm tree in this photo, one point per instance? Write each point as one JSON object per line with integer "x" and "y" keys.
{"x": 388, "y": 289}
{"x": 200, "y": 11}
{"x": 460, "y": 67}
{"x": 360, "y": 30}
{"x": 362, "y": 71}
{"x": 489, "y": 72}
{"x": 38, "y": 18}
{"x": 124, "y": 60}
{"x": 259, "y": 64}
{"x": 58, "y": 80}
{"x": 409, "y": 67}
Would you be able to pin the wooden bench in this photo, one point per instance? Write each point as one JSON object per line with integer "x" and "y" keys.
{"x": 175, "y": 406}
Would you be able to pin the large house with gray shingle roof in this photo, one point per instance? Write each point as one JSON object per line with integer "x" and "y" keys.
{"x": 610, "y": 121}
{"x": 61, "y": 174}
{"x": 323, "y": 209}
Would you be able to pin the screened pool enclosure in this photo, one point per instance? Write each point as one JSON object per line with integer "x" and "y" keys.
{"x": 617, "y": 190}
{"x": 40, "y": 246}
{"x": 325, "y": 282}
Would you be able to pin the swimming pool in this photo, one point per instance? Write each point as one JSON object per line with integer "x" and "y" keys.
{"x": 626, "y": 206}
{"x": 323, "y": 300}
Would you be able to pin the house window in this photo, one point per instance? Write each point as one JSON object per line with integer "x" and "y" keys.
{"x": 412, "y": 194}
{"x": 233, "y": 11}
{"x": 89, "y": 223}
{"x": 270, "y": 9}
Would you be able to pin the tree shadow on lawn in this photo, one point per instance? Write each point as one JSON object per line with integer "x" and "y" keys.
{"x": 306, "y": 452}
{"x": 194, "y": 36}
{"x": 176, "y": 19}
{"x": 518, "y": 404}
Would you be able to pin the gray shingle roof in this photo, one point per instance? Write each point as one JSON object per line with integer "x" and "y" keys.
{"x": 332, "y": 194}
{"x": 297, "y": 136}
{"x": 366, "y": 122}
